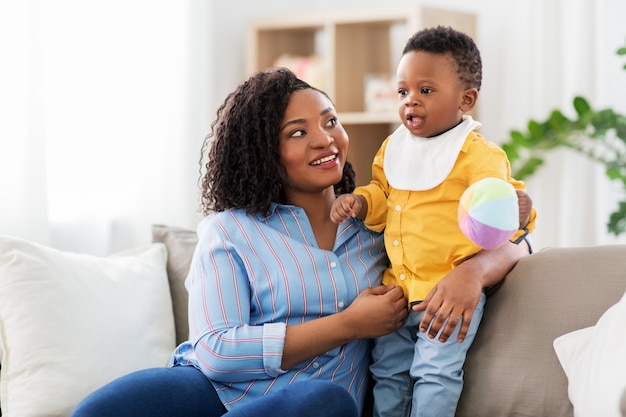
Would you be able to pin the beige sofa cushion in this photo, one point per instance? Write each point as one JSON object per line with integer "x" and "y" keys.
{"x": 180, "y": 245}
{"x": 512, "y": 370}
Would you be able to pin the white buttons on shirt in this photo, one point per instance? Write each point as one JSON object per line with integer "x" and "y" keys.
{"x": 333, "y": 264}
{"x": 340, "y": 304}
{"x": 402, "y": 277}
{"x": 398, "y": 207}
{"x": 316, "y": 365}
{"x": 396, "y": 243}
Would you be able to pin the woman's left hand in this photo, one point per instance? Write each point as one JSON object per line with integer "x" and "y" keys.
{"x": 454, "y": 298}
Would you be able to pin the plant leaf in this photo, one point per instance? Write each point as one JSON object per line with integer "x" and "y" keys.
{"x": 517, "y": 138}
{"x": 558, "y": 121}
{"x": 581, "y": 106}
{"x": 528, "y": 168}
{"x": 536, "y": 130}
{"x": 617, "y": 220}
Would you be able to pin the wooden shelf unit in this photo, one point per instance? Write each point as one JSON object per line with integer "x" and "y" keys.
{"x": 350, "y": 45}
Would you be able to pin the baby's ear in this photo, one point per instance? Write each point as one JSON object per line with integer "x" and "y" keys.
{"x": 468, "y": 100}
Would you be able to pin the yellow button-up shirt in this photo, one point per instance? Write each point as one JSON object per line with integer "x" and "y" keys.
{"x": 422, "y": 235}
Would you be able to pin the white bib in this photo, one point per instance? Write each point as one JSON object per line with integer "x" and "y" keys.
{"x": 416, "y": 164}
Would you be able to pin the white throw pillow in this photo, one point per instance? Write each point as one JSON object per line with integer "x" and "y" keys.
{"x": 70, "y": 323}
{"x": 594, "y": 360}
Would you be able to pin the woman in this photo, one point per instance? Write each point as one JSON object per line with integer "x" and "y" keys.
{"x": 282, "y": 301}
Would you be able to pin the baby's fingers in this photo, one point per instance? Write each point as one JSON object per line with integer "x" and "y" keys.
{"x": 339, "y": 214}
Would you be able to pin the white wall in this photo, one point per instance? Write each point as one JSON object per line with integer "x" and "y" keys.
{"x": 103, "y": 106}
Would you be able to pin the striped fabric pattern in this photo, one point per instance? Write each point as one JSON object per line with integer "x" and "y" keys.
{"x": 251, "y": 276}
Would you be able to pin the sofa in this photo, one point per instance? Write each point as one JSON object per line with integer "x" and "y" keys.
{"x": 71, "y": 322}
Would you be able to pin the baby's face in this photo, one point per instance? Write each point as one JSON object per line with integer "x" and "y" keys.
{"x": 431, "y": 96}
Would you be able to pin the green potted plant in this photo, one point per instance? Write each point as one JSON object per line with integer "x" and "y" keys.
{"x": 598, "y": 134}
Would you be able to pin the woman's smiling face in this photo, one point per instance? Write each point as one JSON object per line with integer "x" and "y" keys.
{"x": 313, "y": 144}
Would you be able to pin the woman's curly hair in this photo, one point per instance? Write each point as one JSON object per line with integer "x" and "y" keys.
{"x": 444, "y": 39}
{"x": 240, "y": 163}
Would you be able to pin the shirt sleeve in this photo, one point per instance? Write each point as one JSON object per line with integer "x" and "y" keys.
{"x": 376, "y": 193}
{"x": 491, "y": 161}
{"x": 227, "y": 346}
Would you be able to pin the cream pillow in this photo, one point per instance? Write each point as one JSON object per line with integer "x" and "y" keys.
{"x": 70, "y": 323}
{"x": 594, "y": 360}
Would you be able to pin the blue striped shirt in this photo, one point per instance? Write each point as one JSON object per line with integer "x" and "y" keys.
{"x": 250, "y": 277}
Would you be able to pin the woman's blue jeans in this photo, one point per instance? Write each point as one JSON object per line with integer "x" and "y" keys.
{"x": 184, "y": 391}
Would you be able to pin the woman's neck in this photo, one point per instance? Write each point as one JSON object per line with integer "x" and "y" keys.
{"x": 316, "y": 205}
{"x": 317, "y": 208}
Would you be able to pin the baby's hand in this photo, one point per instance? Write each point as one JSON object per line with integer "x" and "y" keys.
{"x": 344, "y": 207}
{"x": 525, "y": 207}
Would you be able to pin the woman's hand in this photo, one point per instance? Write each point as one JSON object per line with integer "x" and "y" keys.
{"x": 377, "y": 311}
{"x": 456, "y": 296}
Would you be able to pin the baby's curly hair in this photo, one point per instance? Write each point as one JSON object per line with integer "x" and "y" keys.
{"x": 240, "y": 163}
{"x": 444, "y": 39}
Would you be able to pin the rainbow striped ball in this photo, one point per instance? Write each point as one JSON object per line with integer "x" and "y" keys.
{"x": 489, "y": 212}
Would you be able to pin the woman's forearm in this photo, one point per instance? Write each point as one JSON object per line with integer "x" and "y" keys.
{"x": 493, "y": 265}
{"x": 307, "y": 340}
{"x": 375, "y": 312}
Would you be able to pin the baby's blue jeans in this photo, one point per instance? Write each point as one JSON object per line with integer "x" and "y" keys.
{"x": 418, "y": 376}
